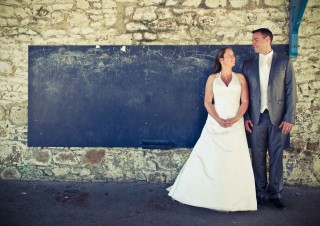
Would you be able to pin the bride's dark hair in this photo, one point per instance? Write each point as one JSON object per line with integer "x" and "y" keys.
{"x": 217, "y": 65}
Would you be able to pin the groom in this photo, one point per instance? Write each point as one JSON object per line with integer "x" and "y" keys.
{"x": 271, "y": 113}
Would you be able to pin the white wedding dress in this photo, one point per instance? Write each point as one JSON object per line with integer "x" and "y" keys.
{"x": 218, "y": 174}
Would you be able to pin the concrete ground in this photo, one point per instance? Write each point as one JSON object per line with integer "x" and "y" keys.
{"x": 138, "y": 204}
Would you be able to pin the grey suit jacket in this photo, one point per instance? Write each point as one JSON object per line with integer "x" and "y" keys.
{"x": 282, "y": 92}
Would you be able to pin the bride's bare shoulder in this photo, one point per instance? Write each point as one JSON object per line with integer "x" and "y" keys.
{"x": 240, "y": 76}
{"x": 213, "y": 76}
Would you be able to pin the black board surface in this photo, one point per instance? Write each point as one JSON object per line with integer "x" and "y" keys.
{"x": 120, "y": 96}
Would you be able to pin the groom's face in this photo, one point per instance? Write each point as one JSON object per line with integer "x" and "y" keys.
{"x": 260, "y": 43}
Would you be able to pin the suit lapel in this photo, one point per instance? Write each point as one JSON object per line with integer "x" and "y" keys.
{"x": 273, "y": 62}
{"x": 256, "y": 72}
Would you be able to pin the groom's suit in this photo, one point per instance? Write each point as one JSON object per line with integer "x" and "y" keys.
{"x": 281, "y": 96}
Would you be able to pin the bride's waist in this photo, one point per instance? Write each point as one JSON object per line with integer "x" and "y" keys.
{"x": 229, "y": 111}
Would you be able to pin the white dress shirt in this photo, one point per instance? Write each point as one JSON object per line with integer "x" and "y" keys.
{"x": 264, "y": 70}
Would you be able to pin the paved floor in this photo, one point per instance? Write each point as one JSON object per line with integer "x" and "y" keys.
{"x": 138, "y": 204}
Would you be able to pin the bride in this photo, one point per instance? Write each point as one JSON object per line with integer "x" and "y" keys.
{"x": 218, "y": 174}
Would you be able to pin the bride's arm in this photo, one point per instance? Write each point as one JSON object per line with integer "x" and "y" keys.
{"x": 208, "y": 97}
{"x": 244, "y": 96}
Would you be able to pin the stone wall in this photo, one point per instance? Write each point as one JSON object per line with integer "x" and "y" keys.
{"x": 144, "y": 22}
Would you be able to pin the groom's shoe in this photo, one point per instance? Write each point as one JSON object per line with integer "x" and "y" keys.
{"x": 261, "y": 202}
{"x": 278, "y": 203}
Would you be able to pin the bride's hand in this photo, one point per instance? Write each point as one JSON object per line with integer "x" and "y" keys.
{"x": 230, "y": 121}
{"x": 222, "y": 122}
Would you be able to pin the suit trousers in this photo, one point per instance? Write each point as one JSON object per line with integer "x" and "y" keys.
{"x": 267, "y": 137}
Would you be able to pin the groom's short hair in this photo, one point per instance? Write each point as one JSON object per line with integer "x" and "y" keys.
{"x": 265, "y": 32}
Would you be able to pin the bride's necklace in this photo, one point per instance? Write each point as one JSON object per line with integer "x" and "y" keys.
{"x": 226, "y": 77}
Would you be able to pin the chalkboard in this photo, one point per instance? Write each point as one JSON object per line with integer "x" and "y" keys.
{"x": 120, "y": 96}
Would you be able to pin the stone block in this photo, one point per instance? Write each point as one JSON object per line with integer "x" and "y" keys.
{"x": 18, "y": 115}
{"x": 165, "y": 13}
{"x": 157, "y": 177}
{"x": 10, "y": 173}
{"x": 93, "y": 157}
{"x": 125, "y": 39}
{"x": 42, "y": 157}
{"x": 150, "y": 36}
{"x": 137, "y": 36}
{"x": 77, "y": 19}
{"x": 316, "y": 166}
{"x": 313, "y": 146}
{"x": 83, "y": 4}
{"x": 108, "y": 4}
{"x": 133, "y": 26}
{"x": 172, "y": 2}
{"x": 145, "y": 14}
{"x": 164, "y": 25}
{"x": 68, "y": 158}
{"x": 7, "y": 11}
{"x": 61, "y": 172}
{"x": 11, "y": 153}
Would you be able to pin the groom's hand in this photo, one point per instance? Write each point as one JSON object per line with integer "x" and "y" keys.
{"x": 248, "y": 125}
{"x": 286, "y": 127}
